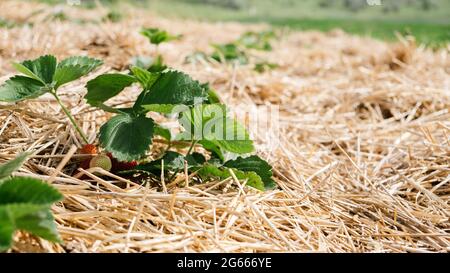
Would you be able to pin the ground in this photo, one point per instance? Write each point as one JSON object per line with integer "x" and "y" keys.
{"x": 360, "y": 153}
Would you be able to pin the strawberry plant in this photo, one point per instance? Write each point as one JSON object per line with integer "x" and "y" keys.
{"x": 264, "y": 66}
{"x": 257, "y": 40}
{"x": 45, "y": 75}
{"x": 129, "y": 134}
{"x": 239, "y": 50}
{"x": 25, "y": 205}
{"x": 156, "y": 37}
{"x": 230, "y": 52}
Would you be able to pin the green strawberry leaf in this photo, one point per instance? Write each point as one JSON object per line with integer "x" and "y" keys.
{"x": 162, "y": 131}
{"x": 173, "y": 87}
{"x": 19, "y": 210}
{"x": 36, "y": 219}
{"x": 25, "y": 205}
{"x": 6, "y": 230}
{"x": 229, "y": 52}
{"x": 20, "y": 88}
{"x": 40, "y": 223}
{"x": 210, "y": 124}
{"x": 213, "y": 148}
{"x": 43, "y": 68}
{"x": 212, "y": 171}
{"x": 87, "y": 63}
{"x": 74, "y": 68}
{"x": 145, "y": 78}
{"x": 27, "y": 190}
{"x": 11, "y": 166}
{"x": 27, "y": 72}
{"x": 235, "y": 138}
{"x": 106, "y": 86}
{"x": 159, "y": 108}
{"x": 254, "y": 164}
{"x": 127, "y": 137}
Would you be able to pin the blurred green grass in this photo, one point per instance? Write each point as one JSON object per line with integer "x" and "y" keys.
{"x": 431, "y": 34}
{"x": 427, "y": 20}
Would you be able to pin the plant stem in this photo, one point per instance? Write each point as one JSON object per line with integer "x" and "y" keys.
{"x": 69, "y": 115}
{"x": 191, "y": 147}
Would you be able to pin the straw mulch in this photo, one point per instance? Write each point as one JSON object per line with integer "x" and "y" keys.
{"x": 361, "y": 155}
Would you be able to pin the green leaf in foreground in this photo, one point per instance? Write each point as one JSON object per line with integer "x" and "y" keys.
{"x": 20, "y": 88}
{"x": 254, "y": 164}
{"x": 236, "y": 138}
{"x": 27, "y": 72}
{"x": 25, "y": 205}
{"x": 35, "y": 219}
{"x": 40, "y": 223}
{"x": 11, "y": 166}
{"x": 27, "y": 190}
{"x": 127, "y": 137}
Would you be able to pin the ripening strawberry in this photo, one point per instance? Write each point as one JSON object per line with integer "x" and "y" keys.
{"x": 124, "y": 166}
{"x": 88, "y": 149}
{"x": 85, "y": 164}
{"x": 101, "y": 161}
{"x": 118, "y": 166}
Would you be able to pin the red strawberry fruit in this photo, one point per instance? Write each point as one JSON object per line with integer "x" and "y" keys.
{"x": 118, "y": 166}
